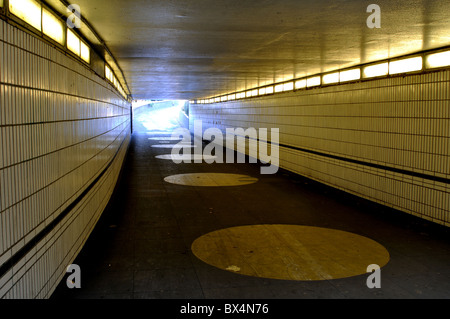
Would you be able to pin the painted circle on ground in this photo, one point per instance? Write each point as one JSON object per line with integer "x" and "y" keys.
{"x": 290, "y": 252}
{"x": 165, "y": 138}
{"x": 176, "y": 146}
{"x": 210, "y": 179}
{"x": 166, "y": 133}
{"x": 186, "y": 157}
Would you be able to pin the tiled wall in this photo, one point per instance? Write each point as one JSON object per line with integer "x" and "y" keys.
{"x": 387, "y": 140}
{"x": 64, "y": 134}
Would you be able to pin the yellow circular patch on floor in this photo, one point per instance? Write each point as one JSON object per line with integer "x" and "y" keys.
{"x": 210, "y": 179}
{"x": 290, "y": 252}
{"x": 186, "y": 157}
{"x": 164, "y": 138}
{"x": 174, "y": 146}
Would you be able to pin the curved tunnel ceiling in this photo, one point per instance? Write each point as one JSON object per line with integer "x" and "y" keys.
{"x": 188, "y": 49}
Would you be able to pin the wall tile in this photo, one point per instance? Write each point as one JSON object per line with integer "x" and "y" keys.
{"x": 60, "y": 126}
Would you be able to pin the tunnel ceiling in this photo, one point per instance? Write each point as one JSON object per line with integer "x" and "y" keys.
{"x": 190, "y": 49}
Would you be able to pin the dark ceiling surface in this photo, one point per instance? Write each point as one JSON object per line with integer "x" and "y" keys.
{"x": 189, "y": 49}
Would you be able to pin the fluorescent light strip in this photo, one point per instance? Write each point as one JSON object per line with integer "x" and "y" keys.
{"x": 85, "y": 53}
{"x": 405, "y": 65}
{"x": 313, "y": 81}
{"x": 46, "y": 21}
{"x": 437, "y": 60}
{"x": 350, "y": 75}
{"x": 52, "y": 26}
{"x": 289, "y": 86}
{"x": 73, "y": 42}
{"x": 330, "y": 78}
{"x": 108, "y": 73}
{"x": 279, "y": 88}
{"x": 27, "y": 10}
{"x": 300, "y": 84}
{"x": 380, "y": 69}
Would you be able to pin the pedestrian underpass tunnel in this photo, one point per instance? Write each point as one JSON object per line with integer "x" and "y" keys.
{"x": 224, "y": 149}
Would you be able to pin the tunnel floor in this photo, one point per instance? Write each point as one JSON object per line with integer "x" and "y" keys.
{"x": 235, "y": 233}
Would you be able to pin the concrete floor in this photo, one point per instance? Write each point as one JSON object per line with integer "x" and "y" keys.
{"x": 141, "y": 247}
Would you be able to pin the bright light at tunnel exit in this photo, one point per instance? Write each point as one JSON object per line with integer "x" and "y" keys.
{"x": 157, "y": 115}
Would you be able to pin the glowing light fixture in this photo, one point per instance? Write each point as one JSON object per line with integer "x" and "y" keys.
{"x": 289, "y": 86}
{"x": 73, "y": 42}
{"x": 300, "y": 84}
{"x": 27, "y": 10}
{"x": 313, "y": 81}
{"x": 85, "y": 52}
{"x": 350, "y": 75}
{"x": 405, "y": 65}
{"x": 1, "y": 3}
{"x": 279, "y": 88}
{"x": 432, "y": 60}
{"x": 375, "y": 70}
{"x": 330, "y": 78}
{"x": 52, "y": 26}
{"x": 108, "y": 73}
{"x": 438, "y": 60}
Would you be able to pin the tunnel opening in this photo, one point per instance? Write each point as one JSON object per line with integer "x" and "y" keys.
{"x": 165, "y": 115}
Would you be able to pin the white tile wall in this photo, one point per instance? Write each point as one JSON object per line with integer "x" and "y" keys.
{"x": 60, "y": 126}
{"x": 399, "y": 122}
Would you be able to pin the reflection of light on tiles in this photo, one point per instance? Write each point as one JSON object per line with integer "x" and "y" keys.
{"x": 289, "y": 252}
